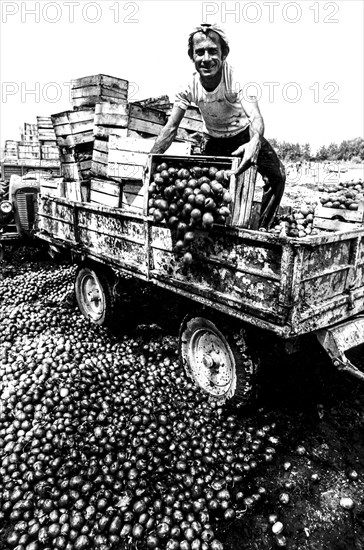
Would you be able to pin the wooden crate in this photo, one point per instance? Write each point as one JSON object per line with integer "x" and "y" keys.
{"x": 30, "y": 128}
{"x": 28, "y": 150}
{"x": 105, "y": 192}
{"x": 111, "y": 118}
{"x": 338, "y": 219}
{"x": 74, "y": 127}
{"x": 30, "y": 138}
{"x": 128, "y": 156}
{"x": 132, "y": 196}
{"x": 127, "y": 195}
{"x": 161, "y": 102}
{"x": 241, "y": 187}
{"x": 44, "y": 122}
{"x": 54, "y": 187}
{"x": 89, "y": 90}
{"x": 191, "y": 123}
{"x": 10, "y": 150}
{"x": 100, "y": 158}
{"x": 49, "y": 152}
{"x": 75, "y": 170}
{"x": 73, "y": 191}
{"x": 11, "y": 145}
{"x": 146, "y": 120}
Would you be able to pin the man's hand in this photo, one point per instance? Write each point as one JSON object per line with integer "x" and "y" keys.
{"x": 249, "y": 152}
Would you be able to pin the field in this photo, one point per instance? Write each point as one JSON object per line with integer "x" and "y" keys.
{"x": 303, "y": 186}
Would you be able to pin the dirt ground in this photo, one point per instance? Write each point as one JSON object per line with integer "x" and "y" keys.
{"x": 318, "y": 416}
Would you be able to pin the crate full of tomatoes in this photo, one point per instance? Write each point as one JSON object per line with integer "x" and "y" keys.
{"x": 189, "y": 194}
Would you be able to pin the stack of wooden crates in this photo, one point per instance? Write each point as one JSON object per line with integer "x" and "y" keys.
{"x": 11, "y": 154}
{"x": 37, "y": 147}
{"x": 47, "y": 140}
{"x": 104, "y": 141}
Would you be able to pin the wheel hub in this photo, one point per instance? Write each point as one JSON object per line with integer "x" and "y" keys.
{"x": 208, "y": 359}
{"x": 92, "y": 297}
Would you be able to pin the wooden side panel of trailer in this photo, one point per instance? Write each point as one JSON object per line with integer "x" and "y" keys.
{"x": 229, "y": 270}
{"x": 97, "y": 232}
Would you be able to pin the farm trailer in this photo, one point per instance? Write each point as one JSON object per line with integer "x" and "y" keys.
{"x": 259, "y": 281}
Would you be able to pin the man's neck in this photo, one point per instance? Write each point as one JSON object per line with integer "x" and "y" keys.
{"x": 211, "y": 83}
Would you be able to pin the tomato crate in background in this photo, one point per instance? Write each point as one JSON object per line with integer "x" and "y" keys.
{"x": 338, "y": 219}
{"x": 241, "y": 187}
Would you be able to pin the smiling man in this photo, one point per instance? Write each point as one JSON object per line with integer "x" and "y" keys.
{"x": 233, "y": 123}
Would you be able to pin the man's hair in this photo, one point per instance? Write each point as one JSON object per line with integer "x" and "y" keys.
{"x": 208, "y": 30}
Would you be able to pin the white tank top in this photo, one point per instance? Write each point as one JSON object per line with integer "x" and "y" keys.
{"x": 221, "y": 109}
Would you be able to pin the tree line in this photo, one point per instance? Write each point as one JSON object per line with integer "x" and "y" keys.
{"x": 349, "y": 149}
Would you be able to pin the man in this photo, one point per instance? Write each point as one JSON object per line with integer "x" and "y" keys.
{"x": 233, "y": 124}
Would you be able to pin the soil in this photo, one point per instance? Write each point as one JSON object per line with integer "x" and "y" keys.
{"x": 319, "y": 415}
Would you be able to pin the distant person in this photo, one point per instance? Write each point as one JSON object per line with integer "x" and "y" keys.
{"x": 233, "y": 125}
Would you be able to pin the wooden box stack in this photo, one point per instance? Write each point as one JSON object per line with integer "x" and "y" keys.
{"x": 30, "y": 134}
{"x": 47, "y": 140}
{"x": 109, "y": 118}
{"x": 74, "y": 135}
{"x": 46, "y": 133}
{"x": 105, "y": 140}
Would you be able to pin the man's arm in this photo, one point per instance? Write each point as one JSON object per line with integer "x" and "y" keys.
{"x": 249, "y": 151}
{"x": 169, "y": 131}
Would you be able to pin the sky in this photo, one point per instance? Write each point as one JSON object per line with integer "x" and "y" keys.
{"x": 304, "y": 60}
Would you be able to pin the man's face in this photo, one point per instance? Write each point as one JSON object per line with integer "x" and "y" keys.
{"x": 207, "y": 54}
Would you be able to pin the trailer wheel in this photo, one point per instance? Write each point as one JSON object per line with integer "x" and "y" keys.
{"x": 220, "y": 365}
{"x": 94, "y": 295}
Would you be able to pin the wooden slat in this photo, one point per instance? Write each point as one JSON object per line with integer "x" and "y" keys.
{"x": 191, "y": 124}
{"x": 149, "y": 115}
{"x": 334, "y": 225}
{"x": 132, "y": 201}
{"x": 107, "y": 187}
{"x": 97, "y": 91}
{"x": 100, "y": 79}
{"x": 145, "y": 126}
{"x": 102, "y": 198}
{"x": 100, "y": 156}
{"x": 138, "y": 145}
{"x": 347, "y": 215}
{"x": 89, "y": 101}
{"x": 73, "y": 191}
{"x": 127, "y": 157}
{"x": 145, "y": 145}
{"x": 124, "y": 171}
{"x": 243, "y": 194}
{"x": 133, "y": 195}
{"x": 106, "y": 131}
{"x": 112, "y": 114}
{"x": 77, "y": 139}
{"x": 70, "y": 171}
{"x": 99, "y": 169}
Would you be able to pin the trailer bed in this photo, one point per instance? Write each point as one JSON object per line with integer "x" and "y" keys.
{"x": 286, "y": 285}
